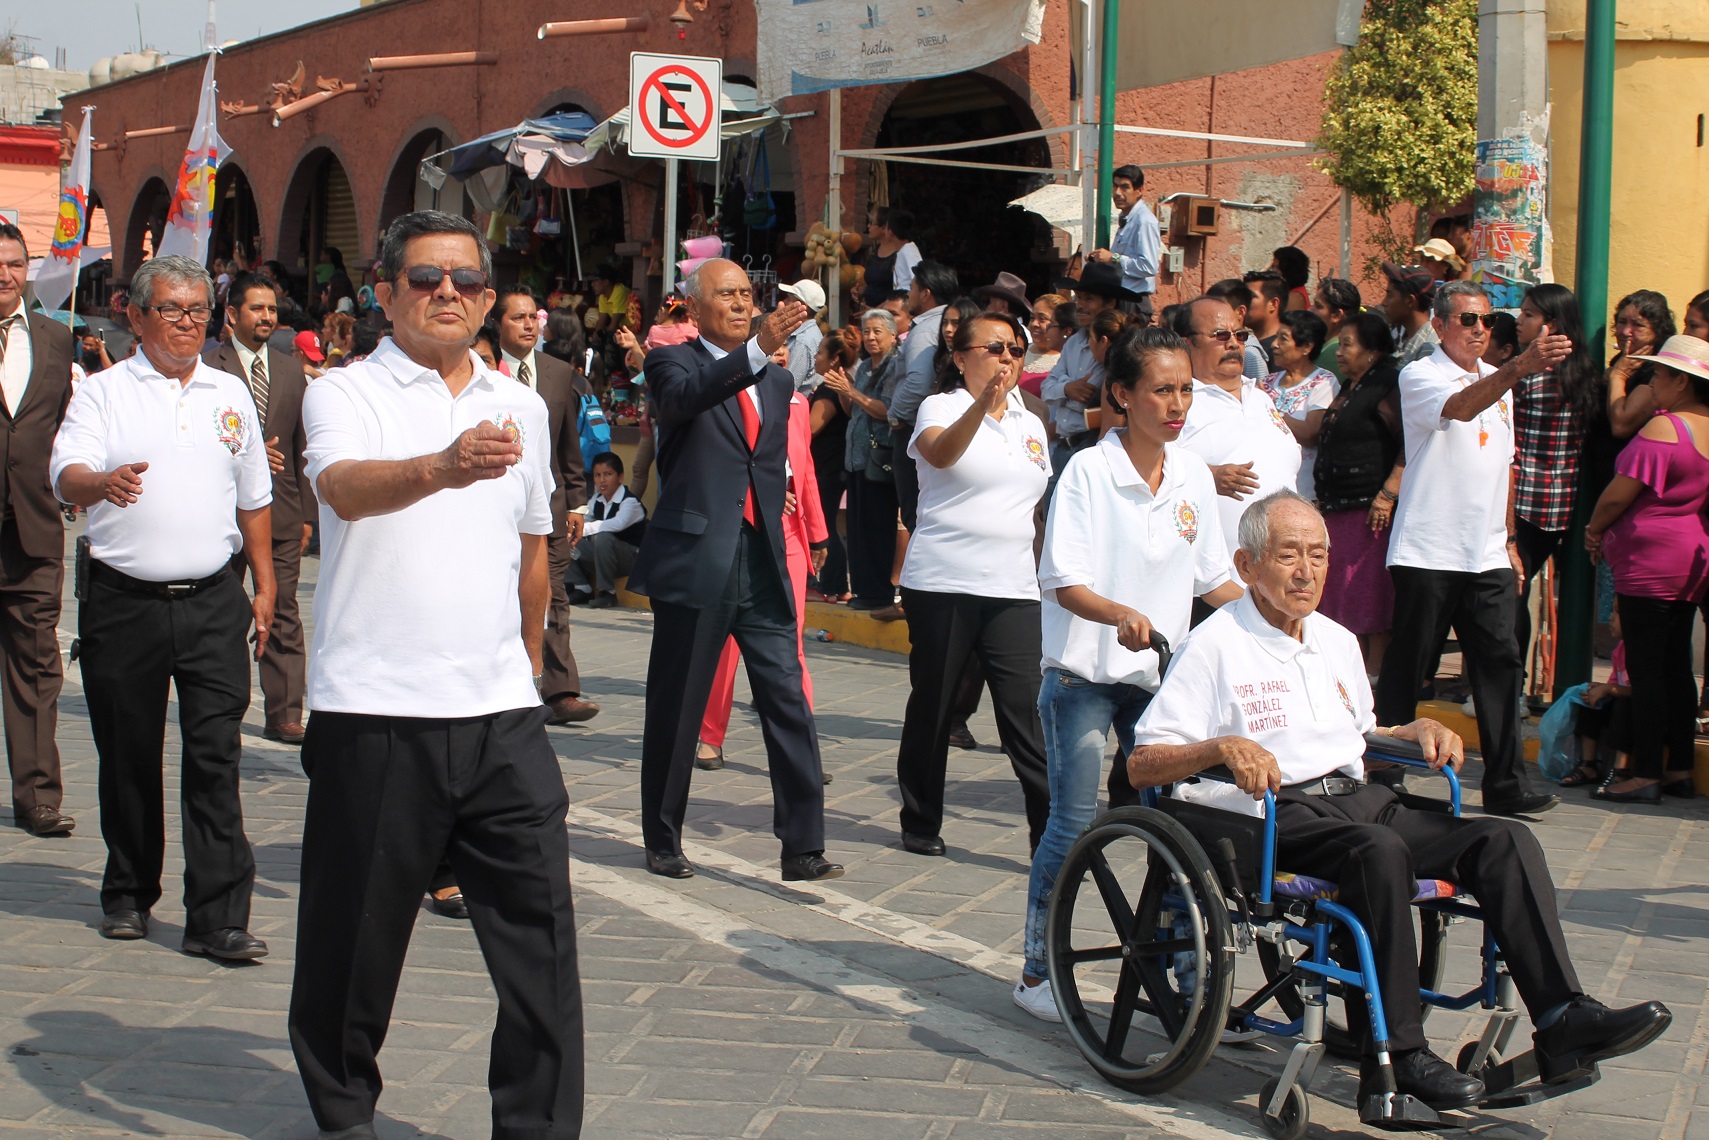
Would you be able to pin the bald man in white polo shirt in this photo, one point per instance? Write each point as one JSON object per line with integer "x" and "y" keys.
{"x": 428, "y": 737}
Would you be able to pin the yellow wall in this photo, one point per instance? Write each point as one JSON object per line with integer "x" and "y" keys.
{"x": 1659, "y": 237}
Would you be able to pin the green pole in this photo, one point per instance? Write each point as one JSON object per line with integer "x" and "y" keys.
{"x": 1107, "y": 116}
{"x": 1595, "y": 171}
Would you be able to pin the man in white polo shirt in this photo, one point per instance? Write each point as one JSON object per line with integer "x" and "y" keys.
{"x": 428, "y": 736}
{"x": 167, "y": 454}
{"x": 1276, "y": 693}
{"x": 1232, "y": 424}
{"x": 1452, "y": 556}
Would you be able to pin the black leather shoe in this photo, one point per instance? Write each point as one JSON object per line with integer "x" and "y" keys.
{"x": 1648, "y": 794}
{"x": 1423, "y": 1074}
{"x": 1528, "y": 803}
{"x": 233, "y": 944}
{"x": 40, "y": 821}
{"x": 810, "y": 868}
{"x": 962, "y": 737}
{"x": 1589, "y": 1032}
{"x": 669, "y": 864}
{"x": 355, "y": 1132}
{"x": 922, "y": 844}
{"x": 124, "y": 925}
{"x": 451, "y": 906}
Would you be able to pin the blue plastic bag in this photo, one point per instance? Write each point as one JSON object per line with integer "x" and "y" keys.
{"x": 1557, "y": 745}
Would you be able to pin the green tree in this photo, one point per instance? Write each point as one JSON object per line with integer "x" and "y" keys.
{"x": 1401, "y": 107}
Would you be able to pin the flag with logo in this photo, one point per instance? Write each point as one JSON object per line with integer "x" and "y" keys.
{"x": 57, "y": 276}
{"x": 190, "y": 218}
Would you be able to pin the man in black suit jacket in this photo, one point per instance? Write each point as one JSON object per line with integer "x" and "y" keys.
{"x": 35, "y": 367}
{"x": 712, "y": 562}
{"x": 277, "y": 383}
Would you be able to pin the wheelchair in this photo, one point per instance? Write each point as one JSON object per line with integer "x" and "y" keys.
{"x": 1144, "y": 974}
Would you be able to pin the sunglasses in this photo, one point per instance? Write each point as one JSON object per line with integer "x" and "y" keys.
{"x": 998, "y": 348}
{"x": 1221, "y": 336}
{"x": 1470, "y": 320}
{"x": 426, "y": 279}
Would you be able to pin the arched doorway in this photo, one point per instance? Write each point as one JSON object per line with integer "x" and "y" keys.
{"x": 962, "y": 217}
{"x": 147, "y": 223}
{"x": 237, "y": 220}
{"x": 319, "y": 212}
{"x": 407, "y": 191}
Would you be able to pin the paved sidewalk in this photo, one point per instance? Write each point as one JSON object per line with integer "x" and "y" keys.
{"x": 731, "y": 1005}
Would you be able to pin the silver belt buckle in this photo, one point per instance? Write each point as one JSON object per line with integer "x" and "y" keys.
{"x": 176, "y": 590}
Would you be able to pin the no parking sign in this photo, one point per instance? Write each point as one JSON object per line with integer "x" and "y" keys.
{"x": 674, "y": 105}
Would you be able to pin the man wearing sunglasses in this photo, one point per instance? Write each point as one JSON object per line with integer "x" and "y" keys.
{"x": 1453, "y": 556}
{"x": 428, "y": 737}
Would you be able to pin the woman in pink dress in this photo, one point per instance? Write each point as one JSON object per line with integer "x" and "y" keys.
{"x": 1649, "y": 526}
{"x": 804, "y": 539}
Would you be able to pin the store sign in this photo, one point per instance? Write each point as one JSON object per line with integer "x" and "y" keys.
{"x": 673, "y": 105}
{"x": 815, "y": 45}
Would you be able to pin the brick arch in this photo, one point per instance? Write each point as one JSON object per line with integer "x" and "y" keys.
{"x": 153, "y": 193}
{"x": 293, "y": 206}
{"x": 570, "y": 95}
{"x": 397, "y": 196}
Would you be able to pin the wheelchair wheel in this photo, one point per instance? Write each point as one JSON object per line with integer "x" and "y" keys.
{"x": 1338, "y": 1039}
{"x": 1154, "y": 940}
{"x": 1296, "y": 1113}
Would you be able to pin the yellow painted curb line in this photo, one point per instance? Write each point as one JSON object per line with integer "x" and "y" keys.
{"x": 851, "y": 627}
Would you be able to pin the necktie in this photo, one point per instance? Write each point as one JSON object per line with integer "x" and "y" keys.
{"x": 751, "y": 429}
{"x": 524, "y": 374}
{"x": 258, "y": 385}
{"x": 6, "y": 331}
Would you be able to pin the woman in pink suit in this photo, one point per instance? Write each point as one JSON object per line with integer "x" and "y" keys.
{"x": 803, "y": 530}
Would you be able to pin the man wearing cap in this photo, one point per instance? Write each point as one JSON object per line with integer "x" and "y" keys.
{"x": 1453, "y": 554}
{"x": 1137, "y": 247}
{"x": 1438, "y": 258}
{"x": 305, "y": 346}
{"x": 1407, "y": 306}
{"x": 1007, "y": 294}
{"x": 804, "y": 342}
{"x": 1076, "y": 381}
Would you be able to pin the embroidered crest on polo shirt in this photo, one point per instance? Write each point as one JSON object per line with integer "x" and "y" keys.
{"x": 508, "y": 422}
{"x": 1035, "y": 451}
{"x": 229, "y": 425}
{"x": 1187, "y": 520}
{"x": 1276, "y": 418}
{"x": 1345, "y": 699}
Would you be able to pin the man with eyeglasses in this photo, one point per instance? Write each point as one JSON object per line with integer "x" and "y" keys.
{"x": 167, "y": 453}
{"x": 1232, "y": 424}
{"x": 1453, "y": 556}
{"x": 428, "y": 737}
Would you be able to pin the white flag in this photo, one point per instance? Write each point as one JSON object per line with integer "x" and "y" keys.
{"x": 190, "y": 218}
{"x": 57, "y": 276}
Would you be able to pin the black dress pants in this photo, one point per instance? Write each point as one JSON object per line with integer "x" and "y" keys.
{"x": 1480, "y": 608}
{"x": 755, "y": 608}
{"x": 1664, "y": 691}
{"x": 907, "y": 476}
{"x": 134, "y": 646}
{"x": 388, "y": 796}
{"x": 1003, "y": 633}
{"x": 872, "y": 538}
{"x": 1536, "y": 546}
{"x": 1376, "y": 849}
{"x": 833, "y": 578}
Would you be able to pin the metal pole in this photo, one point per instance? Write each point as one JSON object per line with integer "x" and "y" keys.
{"x": 1107, "y": 116}
{"x": 1085, "y": 130}
{"x": 834, "y": 207}
{"x": 670, "y": 226}
{"x": 1346, "y": 235}
{"x": 1595, "y": 170}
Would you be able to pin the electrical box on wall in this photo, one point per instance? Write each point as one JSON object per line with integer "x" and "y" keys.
{"x": 1200, "y": 216}
{"x": 1176, "y": 260}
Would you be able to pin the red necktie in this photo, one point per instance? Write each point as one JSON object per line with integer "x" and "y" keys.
{"x": 751, "y": 429}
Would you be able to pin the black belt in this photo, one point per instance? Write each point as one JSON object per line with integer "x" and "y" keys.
{"x": 1080, "y": 440}
{"x": 1328, "y": 786}
{"x": 119, "y": 580}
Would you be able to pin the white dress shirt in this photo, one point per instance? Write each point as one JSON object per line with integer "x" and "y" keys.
{"x": 206, "y": 461}
{"x": 515, "y": 363}
{"x": 622, "y": 511}
{"x": 416, "y": 611}
{"x": 19, "y": 359}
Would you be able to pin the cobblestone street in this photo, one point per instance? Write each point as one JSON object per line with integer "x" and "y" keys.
{"x": 731, "y": 1005}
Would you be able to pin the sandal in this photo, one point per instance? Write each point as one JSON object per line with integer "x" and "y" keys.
{"x": 1580, "y": 776}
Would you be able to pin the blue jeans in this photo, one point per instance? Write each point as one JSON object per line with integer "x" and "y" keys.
{"x": 1077, "y": 715}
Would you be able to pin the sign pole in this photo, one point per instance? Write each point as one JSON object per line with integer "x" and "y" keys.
{"x": 670, "y": 226}
{"x": 834, "y": 206}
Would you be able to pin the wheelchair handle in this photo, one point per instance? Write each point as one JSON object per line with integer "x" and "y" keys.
{"x": 1160, "y": 644}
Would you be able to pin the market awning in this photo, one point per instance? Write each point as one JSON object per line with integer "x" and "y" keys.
{"x": 1059, "y": 205}
{"x": 528, "y": 145}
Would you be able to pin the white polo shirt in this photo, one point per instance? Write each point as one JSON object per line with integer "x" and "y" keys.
{"x": 1307, "y": 701}
{"x": 975, "y": 533}
{"x": 206, "y": 461}
{"x": 1152, "y": 552}
{"x": 1452, "y": 513}
{"x": 416, "y": 611}
{"x": 1246, "y": 429}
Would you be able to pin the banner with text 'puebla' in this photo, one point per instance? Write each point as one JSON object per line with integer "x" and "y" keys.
{"x": 815, "y": 45}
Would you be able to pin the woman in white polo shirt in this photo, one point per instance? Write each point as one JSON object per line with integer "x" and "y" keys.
{"x": 969, "y": 583}
{"x": 1134, "y": 536}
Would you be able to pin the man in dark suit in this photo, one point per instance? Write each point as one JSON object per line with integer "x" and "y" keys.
{"x": 277, "y": 383}
{"x": 35, "y": 373}
{"x": 515, "y": 314}
{"x": 712, "y": 562}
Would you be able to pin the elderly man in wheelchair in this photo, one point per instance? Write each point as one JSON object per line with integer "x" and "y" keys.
{"x": 1273, "y": 697}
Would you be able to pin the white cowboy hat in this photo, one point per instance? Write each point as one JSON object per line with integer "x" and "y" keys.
{"x": 1684, "y": 354}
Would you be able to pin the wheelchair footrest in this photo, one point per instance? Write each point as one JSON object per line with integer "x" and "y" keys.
{"x": 1514, "y": 1083}
{"x": 1398, "y": 1112}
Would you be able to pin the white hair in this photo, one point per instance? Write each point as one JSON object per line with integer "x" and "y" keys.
{"x": 1254, "y": 534}
{"x": 174, "y": 269}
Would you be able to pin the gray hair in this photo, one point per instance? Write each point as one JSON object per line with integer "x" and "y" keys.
{"x": 1443, "y": 306}
{"x": 1254, "y": 531}
{"x": 174, "y": 269}
{"x": 425, "y": 223}
{"x": 883, "y": 316}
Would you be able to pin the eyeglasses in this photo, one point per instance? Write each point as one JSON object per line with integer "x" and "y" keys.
{"x": 998, "y": 348}
{"x": 172, "y": 314}
{"x": 426, "y": 279}
{"x": 1470, "y": 320}
{"x": 1221, "y": 335}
